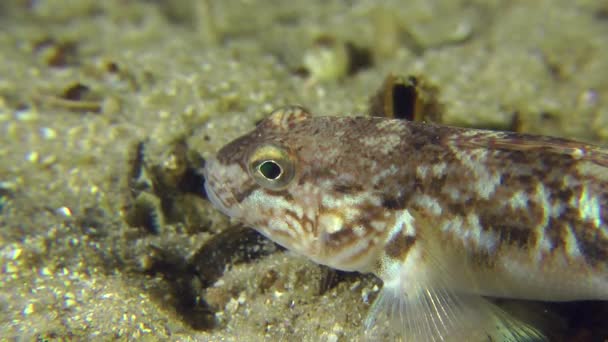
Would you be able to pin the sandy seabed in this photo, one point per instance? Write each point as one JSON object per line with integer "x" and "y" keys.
{"x": 93, "y": 92}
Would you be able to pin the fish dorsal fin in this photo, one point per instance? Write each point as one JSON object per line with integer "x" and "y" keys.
{"x": 286, "y": 117}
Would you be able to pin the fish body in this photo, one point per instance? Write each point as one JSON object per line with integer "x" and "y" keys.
{"x": 442, "y": 215}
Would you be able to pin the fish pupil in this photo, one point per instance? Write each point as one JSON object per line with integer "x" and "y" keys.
{"x": 270, "y": 170}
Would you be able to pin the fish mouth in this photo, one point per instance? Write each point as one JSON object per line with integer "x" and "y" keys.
{"x": 211, "y": 184}
{"x": 214, "y": 199}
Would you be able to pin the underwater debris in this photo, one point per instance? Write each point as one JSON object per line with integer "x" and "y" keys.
{"x": 56, "y": 53}
{"x": 410, "y": 98}
{"x": 78, "y": 97}
{"x": 6, "y": 193}
{"x": 329, "y": 59}
{"x": 181, "y": 284}
{"x": 166, "y": 191}
{"x": 233, "y": 245}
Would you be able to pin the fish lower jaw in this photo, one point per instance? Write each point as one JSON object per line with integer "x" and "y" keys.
{"x": 217, "y": 202}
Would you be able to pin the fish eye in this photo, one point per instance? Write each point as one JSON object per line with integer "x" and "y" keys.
{"x": 271, "y": 167}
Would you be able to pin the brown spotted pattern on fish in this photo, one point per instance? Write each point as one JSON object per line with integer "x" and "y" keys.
{"x": 442, "y": 215}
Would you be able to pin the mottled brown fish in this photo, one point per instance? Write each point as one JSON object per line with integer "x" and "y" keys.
{"x": 442, "y": 215}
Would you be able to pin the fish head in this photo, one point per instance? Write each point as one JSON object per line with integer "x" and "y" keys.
{"x": 286, "y": 180}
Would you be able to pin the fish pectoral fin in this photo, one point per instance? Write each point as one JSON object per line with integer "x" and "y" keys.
{"x": 442, "y": 315}
{"x": 509, "y": 328}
